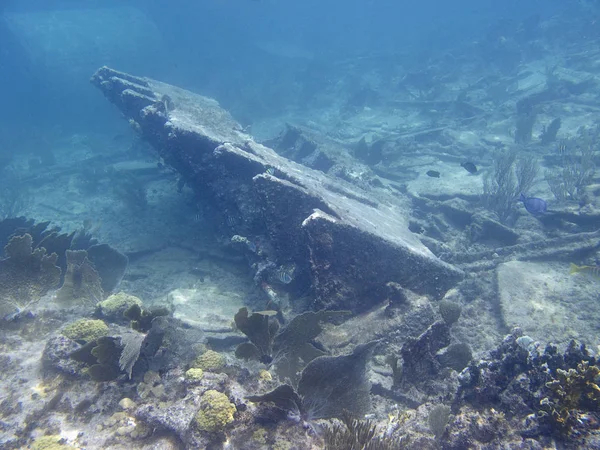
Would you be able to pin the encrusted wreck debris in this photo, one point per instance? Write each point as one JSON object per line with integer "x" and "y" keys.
{"x": 347, "y": 244}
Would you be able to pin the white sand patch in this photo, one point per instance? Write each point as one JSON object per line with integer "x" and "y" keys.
{"x": 548, "y": 303}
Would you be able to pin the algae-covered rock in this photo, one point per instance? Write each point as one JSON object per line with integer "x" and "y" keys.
{"x": 115, "y": 305}
{"x": 123, "y": 424}
{"x": 53, "y": 442}
{"x": 152, "y": 386}
{"x": 127, "y": 404}
{"x": 87, "y": 330}
{"x": 216, "y": 411}
{"x": 210, "y": 361}
{"x": 194, "y": 374}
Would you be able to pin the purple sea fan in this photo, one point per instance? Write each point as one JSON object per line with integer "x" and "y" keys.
{"x": 329, "y": 385}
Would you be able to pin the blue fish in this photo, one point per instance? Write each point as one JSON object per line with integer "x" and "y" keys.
{"x": 534, "y": 205}
{"x": 285, "y": 274}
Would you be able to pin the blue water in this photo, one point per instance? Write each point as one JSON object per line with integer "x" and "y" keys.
{"x": 217, "y": 47}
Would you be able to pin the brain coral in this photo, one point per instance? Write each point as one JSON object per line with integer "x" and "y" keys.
{"x": 216, "y": 411}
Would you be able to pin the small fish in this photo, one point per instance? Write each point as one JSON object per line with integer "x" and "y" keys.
{"x": 198, "y": 217}
{"x": 268, "y": 312}
{"x": 562, "y": 148}
{"x": 271, "y": 294}
{"x": 594, "y": 270}
{"x": 231, "y": 221}
{"x": 270, "y": 171}
{"x": 433, "y": 174}
{"x": 469, "y": 167}
{"x": 534, "y": 205}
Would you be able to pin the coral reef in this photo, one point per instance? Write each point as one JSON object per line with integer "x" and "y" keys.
{"x": 328, "y": 386}
{"x": 216, "y": 412}
{"x": 546, "y": 393}
{"x": 209, "y": 361}
{"x": 114, "y": 307}
{"x": 86, "y": 330}
{"x": 128, "y": 352}
{"x": 142, "y": 319}
{"x": 438, "y": 420}
{"x": 194, "y": 374}
{"x": 151, "y": 386}
{"x": 419, "y": 363}
{"x": 82, "y": 282}
{"x": 574, "y": 393}
{"x": 290, "y": 347}
{"x": 39, "y": 258}
{"x": 26, "y": 274}
{"x": 110, "y": 264}
{"x": 52, "y": 442}
{"x": 511, "y": 177}
{"x": 357, "y": 434}
{"x": 576, "y": 168}
{"x": 123, "y": 423}
{"x": 449, "y": 311}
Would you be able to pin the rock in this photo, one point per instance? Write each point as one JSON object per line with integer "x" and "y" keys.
{"x": 295, "y": 143}
{"x": 343, "y": 240}
{"x": 56, "y": 356}
{"x": 419, "y": 362}
{"x": 176, "y": 418}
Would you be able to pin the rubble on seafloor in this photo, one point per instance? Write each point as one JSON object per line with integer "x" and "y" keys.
{"x": 413, "y": 393}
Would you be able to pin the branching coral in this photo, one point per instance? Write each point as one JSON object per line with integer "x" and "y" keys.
{"x": 357, "y": 435}
{"x": 572, "y": 392}
{"x": 577, "y": 166}
{"x": 511, "y": 177}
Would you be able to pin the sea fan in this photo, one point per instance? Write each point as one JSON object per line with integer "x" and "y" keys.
{"x": 132, "y": 345}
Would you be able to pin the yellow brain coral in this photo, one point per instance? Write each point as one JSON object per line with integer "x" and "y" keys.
{"x": 53, "y": 442}
{"x": 216, "y": 411}
{"x": 209, "y": 360}
{"x": 115, "y": 305}
{"x": 85, "y": 330}
{"x": 194, "y": 374}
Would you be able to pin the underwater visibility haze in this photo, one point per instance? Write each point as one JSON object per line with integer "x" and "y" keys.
{"x": 276, "y": 224}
